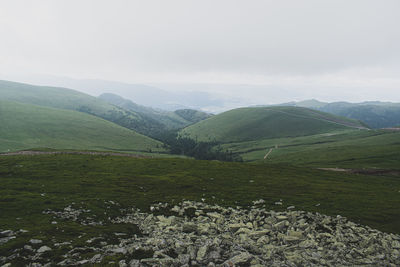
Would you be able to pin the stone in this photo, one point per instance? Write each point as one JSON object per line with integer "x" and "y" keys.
{"x": 134, "y": 263}
{"x": 119, "y": 250}
{"x": 27, "y": 247}
{"x": 280, "y": 225}
{"x": 6, "y": 233}
{"x": 35, "y": 241}
{"x": 217, "y": 236}
{"x": 201, "y": 253}
{"x": 189, "y": 228}
{"x": 281, "y": 218}
{"x": 43, "y": 249}
{"x": 243, "y": 231}
{"x": 122, "y": 263}
{"x": 236, "y": 226}
{"x": 96, "y": 258}
{"x": 260, "y": 233}
{"x": 296, "y": 234}
{"x": 241, "y": 258}
{"x": 183, "y": 259}
{"x": 6, "y": 239}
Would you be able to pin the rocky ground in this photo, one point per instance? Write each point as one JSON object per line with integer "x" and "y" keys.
{"x": 198, "y": 234}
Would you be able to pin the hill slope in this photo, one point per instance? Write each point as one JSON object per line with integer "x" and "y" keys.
{"x": 64, "y": 98}
{"x": 25, "y": 126}
{"x": 56, "y": 97}
{"x": 246, "y": 124}
{"x": 375, "y": 114}
{"x": 164, "y": 119}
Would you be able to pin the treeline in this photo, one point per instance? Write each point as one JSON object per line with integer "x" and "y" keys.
{"x": 140, "y": 123}
{"x": 175, "y": 143}
{"x": 184, "y": 145}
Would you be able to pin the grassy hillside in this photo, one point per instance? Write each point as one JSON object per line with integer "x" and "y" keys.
{"x": 52, "y": 97}
{"x": 374, "y": 113}
{"x": 25, "y": 126}
{"x": 163, "y": 119}
{"x": 344, "y": 149}
{"x": 247, "y": 124}
{"x": 64, "y": 98}
{"x": 376, "y": 116}
{"x": 191, "y": 115}
{"x": 31, "y": 185}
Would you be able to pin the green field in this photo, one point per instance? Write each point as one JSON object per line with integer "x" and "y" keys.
{"x": 345, "y": 149}
{"x": 247, "y": 124}
{"x": 26, "y": 126}
{"x": 32, "y": 184}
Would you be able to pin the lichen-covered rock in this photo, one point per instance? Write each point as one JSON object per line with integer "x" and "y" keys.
{"x": 209, "y": 235}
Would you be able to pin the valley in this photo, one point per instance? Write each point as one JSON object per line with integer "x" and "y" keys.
{"x": 80, "y": 174}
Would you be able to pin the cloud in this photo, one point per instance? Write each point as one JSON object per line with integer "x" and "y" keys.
{"x": 312, "y": 43}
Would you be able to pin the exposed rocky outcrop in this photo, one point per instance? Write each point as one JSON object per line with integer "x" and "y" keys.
{"x": 198, "y": 234}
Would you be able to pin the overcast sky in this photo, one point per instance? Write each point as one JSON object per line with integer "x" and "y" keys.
{"x": 333, "y": 49}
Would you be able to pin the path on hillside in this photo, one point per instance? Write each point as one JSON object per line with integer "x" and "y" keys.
{"x": 269, "y": 152}
{"x": 34, "y": 153}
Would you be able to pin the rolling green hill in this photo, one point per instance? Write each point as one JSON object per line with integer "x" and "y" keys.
{"x": 53, "y": 97}
{"x": 164, "y": 119}
{"x": 245, "y": 124}
{"x": 375, "y": 114}
{"x": 25, "y": 126}
{"x": 64, "y": 98}
{"x": 343, "y": 149}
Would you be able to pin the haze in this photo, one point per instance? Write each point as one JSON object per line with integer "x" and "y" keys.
{"x": 245, "y": 52}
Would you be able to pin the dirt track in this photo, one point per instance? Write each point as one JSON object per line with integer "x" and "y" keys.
{"x": 269, "y": 152}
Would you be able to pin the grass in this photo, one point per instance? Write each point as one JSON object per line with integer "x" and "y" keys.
{"x": 25, "y": 126}
{"x": 55, "y": 97}
{"x": 136, "y": 182}
{"x": 249, "y": 124}
{"x": 345, "y": 149}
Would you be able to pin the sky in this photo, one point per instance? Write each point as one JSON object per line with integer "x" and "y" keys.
{"x": 330, "y": 50}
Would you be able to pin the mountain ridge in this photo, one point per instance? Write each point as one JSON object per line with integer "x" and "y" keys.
{"x": 27, "y": 126}
{"x": 375, "y": 114}
{"x": 245, "y": 124}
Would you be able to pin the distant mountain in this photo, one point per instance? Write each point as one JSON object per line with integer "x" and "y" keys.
{"x": 165, "y": 119}
{"x": 192, "y": 115}
{"x": 146, "y": 95}
{"x": 27, "y": 126}
{"x": 374, "y": 113}
{"x": 245, "y": 124}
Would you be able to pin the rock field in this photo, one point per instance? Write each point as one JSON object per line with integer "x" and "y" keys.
{"x": 198, "y": 234}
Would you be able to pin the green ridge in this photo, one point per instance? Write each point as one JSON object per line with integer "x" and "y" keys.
{"x": 246, "y": 124}
{"x": 25, "y": 126}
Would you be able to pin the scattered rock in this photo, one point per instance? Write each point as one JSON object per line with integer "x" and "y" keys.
{"x": 6, "y": 239}
{"x": 35, "y": 241}
{"x": 43, "y": 249}
{"x": 6, "y": 233}
{"x": 209, "y": 235}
